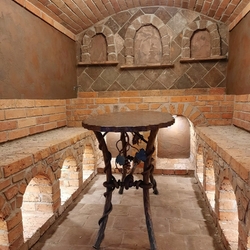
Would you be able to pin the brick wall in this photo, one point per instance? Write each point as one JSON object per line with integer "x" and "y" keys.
{"x": 201, "y": 106}
{"x": 20, "y": 118}
{"x": 241, "y": 115}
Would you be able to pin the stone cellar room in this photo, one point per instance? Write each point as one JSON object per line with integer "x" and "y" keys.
{"x": 125, "y": 124}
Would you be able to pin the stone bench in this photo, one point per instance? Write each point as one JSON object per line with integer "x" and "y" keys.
{"x": 223, "y": 170}
{"x": 35, "y": 171}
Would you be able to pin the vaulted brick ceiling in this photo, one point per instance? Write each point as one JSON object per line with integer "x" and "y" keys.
{"x": 78, "y": 15}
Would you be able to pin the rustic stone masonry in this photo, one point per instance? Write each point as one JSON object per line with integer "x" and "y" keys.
{"x": 223, "y": 173}
{"x": 152, "y": 49}
{"x": 34, "y": 172}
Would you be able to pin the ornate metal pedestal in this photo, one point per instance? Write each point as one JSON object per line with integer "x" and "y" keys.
{"x": 124, "y": 122}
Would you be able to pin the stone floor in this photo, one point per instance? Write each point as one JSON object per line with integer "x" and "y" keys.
{"x": 181, "y": 219}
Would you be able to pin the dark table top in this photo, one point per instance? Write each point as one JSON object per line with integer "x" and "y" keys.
{"x": 130, "y": 121}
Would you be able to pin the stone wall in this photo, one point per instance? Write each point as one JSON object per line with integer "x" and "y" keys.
{"x": 152, "y": 48}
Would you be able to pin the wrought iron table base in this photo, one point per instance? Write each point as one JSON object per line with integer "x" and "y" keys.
{"x": 111, "y": 184}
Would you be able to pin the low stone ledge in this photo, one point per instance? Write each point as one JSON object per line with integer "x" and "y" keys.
{"x": 232, "y": 144}
{"x": 41, "y": 156}
{"x": 22, "y": 153}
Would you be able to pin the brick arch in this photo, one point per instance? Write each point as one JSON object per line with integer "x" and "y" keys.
{"x": 196, "y": 26}
{"x": 209, "y": 180}
{"x": 69, "y": 177}
{"x": 19, "y": 189}
{"x": 186, "y": 110}
{"x": 91, "y": 141}
{"x": 89, "y": 160}
{"x": 226, "y": 208}
{"x": 200, "y": 163}
{"x": 106, "y": 109}
{"x": 109, "y": 37}
{"x": 139, "y": 22}
{"x": 15, "y": 197}
{"x": 67, "y": 153}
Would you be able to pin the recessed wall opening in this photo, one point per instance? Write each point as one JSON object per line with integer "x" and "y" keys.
{"x": 98, "y": 48}
{"x": 88, "y": 162}
{"x": 228, "y": 213}
{"x": 69, "y": 181}
{"x": 174, "y": 145}
{"x": 200, "y": 44}
{"x": 200, "y": 165}
{"x": 209, "y": 182}
{"x": 37, "y": 206}
{"x": 147, "y": 46}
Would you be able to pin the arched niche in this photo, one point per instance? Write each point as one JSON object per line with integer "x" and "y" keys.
{"x": 209, "y": 182}
{"x": 38, "y": 204}
{"x": 201, "y": 41}
{"x": 174, "y": 141}
{"x": 147, "y": 46}
{"x": 200, "y": 45}
{"x": 69, "y": 180}
{"x": 200, "y": 165}
{"x": 227, "y": 211}
{"x": 88, "y": 167}
{"x": 98, "y": 47}
{"x": 152, "y": 36}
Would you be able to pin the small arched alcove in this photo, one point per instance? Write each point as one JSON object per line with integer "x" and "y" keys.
{"x": 37, "y": 206}
{"x": 228, "y": 213}
{"x": 209, "y": 182}
{"x": 88, "y": 162}
{"x": 201, "y": 40}
{"x": 174, "y": 145}
{"x": 98, "y": 48}
{"x": 174, "y": 141}
{"x": 69, "y": 181}
{"x": 200, "y": 165}
{"x": 200, "y": 44}
{"x": 147, "y": 43}
{"x": 147, "y": 46}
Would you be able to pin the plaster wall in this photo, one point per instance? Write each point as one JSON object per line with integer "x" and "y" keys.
{"x": 36, "y": 60}
{"x": 238, "y": 78}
